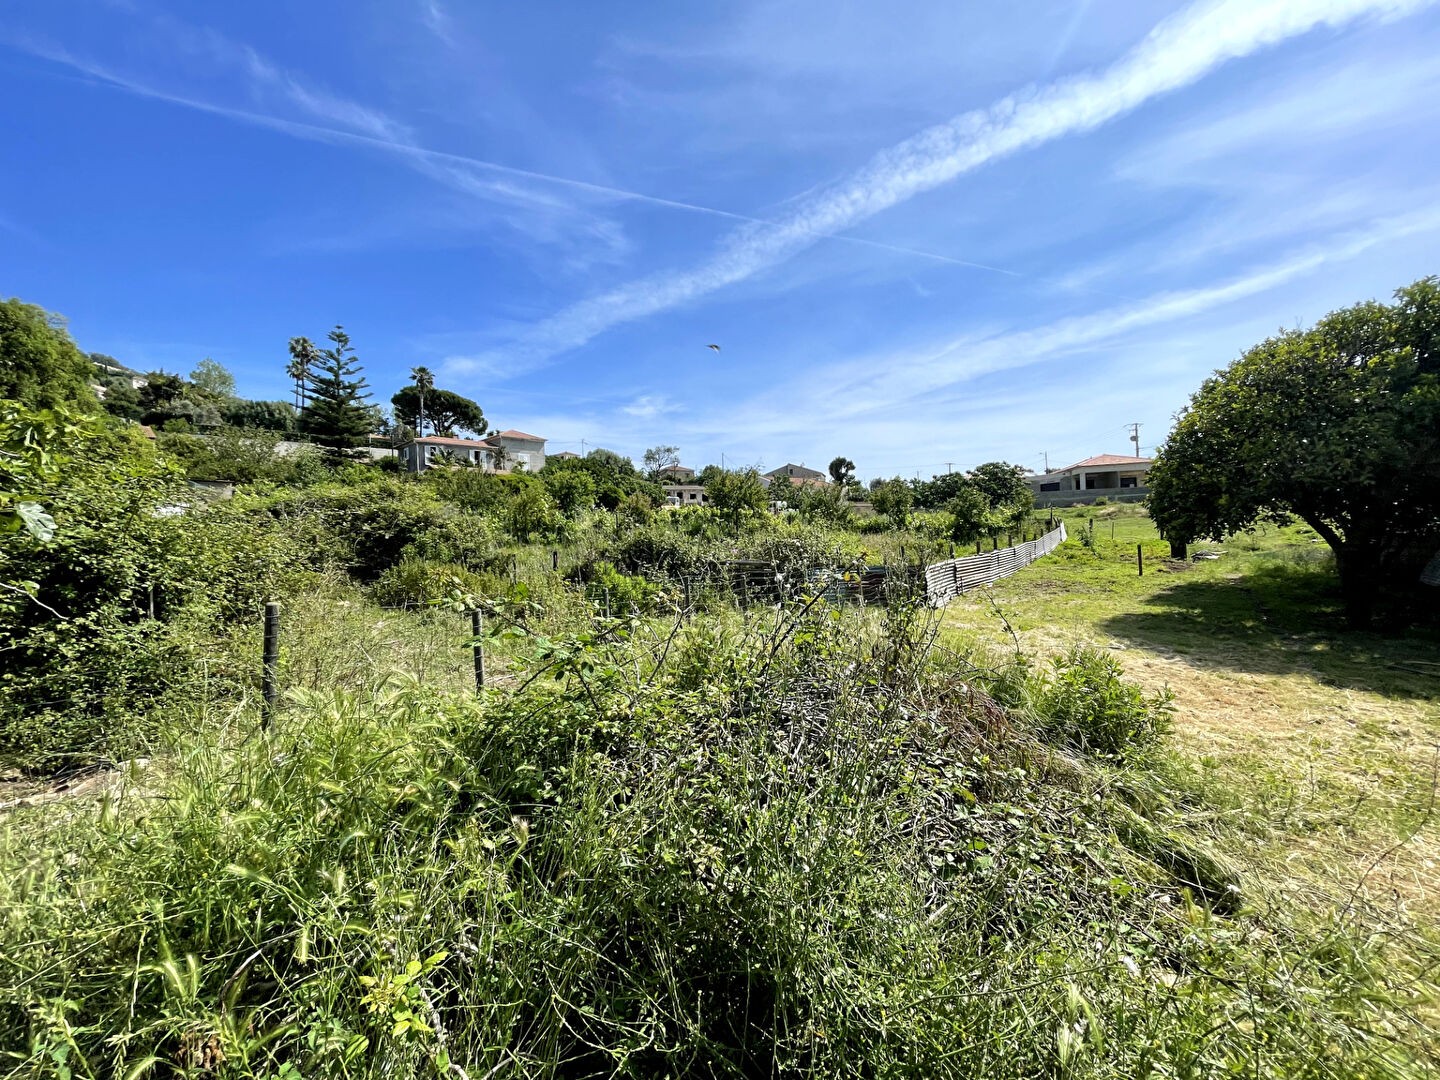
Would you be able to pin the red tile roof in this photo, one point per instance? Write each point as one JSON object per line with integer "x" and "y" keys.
{"x": 1101, "y": 460}
{"x": 444, "y": 440}
{"x": 511, "y": 433}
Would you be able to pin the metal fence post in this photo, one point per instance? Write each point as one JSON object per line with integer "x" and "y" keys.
{"x": 1140, "y": 559}
{"x": 554, "y": 560}
{"x": 270, "y": 664}
{"x": 477, "y": 627}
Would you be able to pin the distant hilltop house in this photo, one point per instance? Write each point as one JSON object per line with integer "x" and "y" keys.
{"x": 1111, "y": 475}
{"x": 685, "y": 494}
{"x": 566, "y": 455}
{"x": 798, "y": 474}
{"x": 678, "y": 474}
{"x": 504, "y": 451}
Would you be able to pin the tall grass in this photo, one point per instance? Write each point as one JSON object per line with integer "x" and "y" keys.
{"x": 794, "y": 843}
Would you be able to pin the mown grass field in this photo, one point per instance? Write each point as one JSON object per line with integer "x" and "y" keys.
{"x": 1319, "y": 743}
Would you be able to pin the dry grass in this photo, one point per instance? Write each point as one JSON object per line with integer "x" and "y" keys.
{"x": 1322, "y": 744}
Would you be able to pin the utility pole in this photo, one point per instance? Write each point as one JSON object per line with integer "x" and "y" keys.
{"x": 1135, "y": 437}
{"x": 949, "y": 467}
{"x": 1047, "y": 459}
{"x": 582, "y": 447}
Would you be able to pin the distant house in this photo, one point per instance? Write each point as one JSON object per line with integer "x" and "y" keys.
{"x": 678, "y": 474}
{"x": 685, "y": 494}
{"x": 798, "y": 473}
{"x": 1112, "y": 475}
{"x": 504, "y": 451}
{"x": 566, "y": 455}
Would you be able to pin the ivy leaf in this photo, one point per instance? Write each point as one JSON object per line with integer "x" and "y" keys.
{"x": 39, "y": 524}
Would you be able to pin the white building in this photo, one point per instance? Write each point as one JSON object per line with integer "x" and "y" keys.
{"x": 504, "y": 451}
{"x": 1113, "y": 475}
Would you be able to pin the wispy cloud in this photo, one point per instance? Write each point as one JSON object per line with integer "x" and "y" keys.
{"x": 909, "y": 388}
{"x": 437, "y": 20}
{"x": 648, "y": 406}
{"x": 1178, "y": 52}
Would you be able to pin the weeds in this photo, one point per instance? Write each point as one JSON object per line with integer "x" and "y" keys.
{"x": 788, "y": 843}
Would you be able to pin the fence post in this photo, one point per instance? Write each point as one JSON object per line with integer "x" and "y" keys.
{"x": 977, "y": 547}
{"x": 1112, "y": 528}
{"x": 607, "y": 601}
{"x": 477, "y": 627}
{"x": 514, "y": 569}
{"x": 1140, "y": 559}
{"x": 687, "y": 596}
{"x": 270, "y": 664}
{"x": 554, "y": 561}
{"x": 952, "y": 551}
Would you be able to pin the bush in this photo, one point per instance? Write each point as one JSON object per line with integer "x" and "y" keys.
{"x": 658, "y": 551}
{"x": 1086, "y": 704}
{"x": 418, "y": 582}
{"x": 626, "y": 593}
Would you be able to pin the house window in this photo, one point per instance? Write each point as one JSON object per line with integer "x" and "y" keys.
{"x": 1051, "y": 487}
{"x": 1129, "y": 481}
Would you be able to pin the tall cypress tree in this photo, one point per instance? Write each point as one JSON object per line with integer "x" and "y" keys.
{"x": 335, "y": 415}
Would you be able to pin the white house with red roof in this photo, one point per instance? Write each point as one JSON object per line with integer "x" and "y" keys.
{"x": 1113, "y": 475}
{"x": 501, "y": 451}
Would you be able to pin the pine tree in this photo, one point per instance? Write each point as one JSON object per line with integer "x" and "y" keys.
{"x": 336, "y": 416}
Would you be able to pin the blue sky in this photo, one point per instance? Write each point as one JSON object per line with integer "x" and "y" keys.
{"x": 923, "y": 233}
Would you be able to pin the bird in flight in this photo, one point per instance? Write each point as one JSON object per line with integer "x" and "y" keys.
{"x": 715, "y": 347}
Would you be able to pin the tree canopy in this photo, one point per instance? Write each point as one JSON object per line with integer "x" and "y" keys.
{"x": 842, "y": 470}
{"x": 737, "y": 495}
{"x": 40, "y": 366}
{"x": 659, "y": 458}
{"x": 446, "y": 412}
{"x": 894, "y": 498}
{"x": 214, "y": 379}
{"x": 1339, "y": 425}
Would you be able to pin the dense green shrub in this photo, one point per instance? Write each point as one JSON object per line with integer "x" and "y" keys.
{"x": 625, "y": 593}
{"x": 418, "y": 582}
{"x": 1087, "y": 704}
{"x": 659, "y": 551}
{"x": 368, "y": 529}
{"x": 732, "y": 864}
{"x": 85, "y": 633}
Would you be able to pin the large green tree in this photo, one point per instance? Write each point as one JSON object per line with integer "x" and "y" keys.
{"x": 40, "y": 366}
{"x": 445, "y": 412}
{"x": 1338, "y": 425}
{"x": 336, "y": 415}
{"x": 894, "y": 498}
{"x": 737, "y": 495}
{"x": 214, "y": 379}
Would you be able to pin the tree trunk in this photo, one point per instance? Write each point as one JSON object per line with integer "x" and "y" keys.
{"x": 1359, "y": 583}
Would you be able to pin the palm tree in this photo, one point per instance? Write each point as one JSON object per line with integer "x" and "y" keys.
{"x": 303, "y": 355}
{"x": 424, "y": 381}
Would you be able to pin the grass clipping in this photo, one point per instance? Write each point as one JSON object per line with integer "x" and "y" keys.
{"x": 795, "y": 843}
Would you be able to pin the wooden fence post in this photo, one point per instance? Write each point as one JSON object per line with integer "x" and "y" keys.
{"x": 554, "y": 561}
{"x": 477, "y": 627}
{"x": 1140, "y": 559}
{"x": 270, "y": 664}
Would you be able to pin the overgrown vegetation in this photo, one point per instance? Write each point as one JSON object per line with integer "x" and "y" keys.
{"x": 701, "y": 820}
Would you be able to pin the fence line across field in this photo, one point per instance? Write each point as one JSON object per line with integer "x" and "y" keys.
{"x": 946, "y": 580}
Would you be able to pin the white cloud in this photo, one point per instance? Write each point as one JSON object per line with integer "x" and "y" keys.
{"x": 1178, "y": 52}
{"x": 921, "y": 394}
{"x": 648, "y": 406}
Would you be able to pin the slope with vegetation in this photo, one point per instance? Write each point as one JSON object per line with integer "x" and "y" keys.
{"x": 732, "y": 838}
